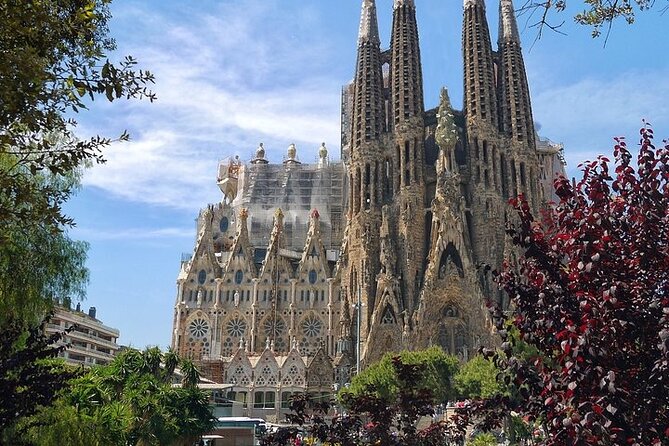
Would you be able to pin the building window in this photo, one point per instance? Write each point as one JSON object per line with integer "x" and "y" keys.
{"x": 239, "y": 277}
{"x": 313, "y": 276}
{"x": 236, "y": 327}
{"x": 264, "y": 400}
{"x": 225, "y": 223}
{"x": 202, "y": 277}
{"x": 198, "y": 328}
{"x": 312, "y": 326}
{"x": 286, "y": 399}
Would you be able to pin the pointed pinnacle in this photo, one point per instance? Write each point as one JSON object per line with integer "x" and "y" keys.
{"x": 400, "y": 3}
{"x": 468, "y": 3}
{"x": 508, "y": 28}
{"x": 369, "y": 26}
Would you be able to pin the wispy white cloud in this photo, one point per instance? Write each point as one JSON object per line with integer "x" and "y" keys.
{"x": 133, "y": 234}
{"x": 223, "y": 85}
{"x": 242, "y": 73}
{"x": 588, "y": 114}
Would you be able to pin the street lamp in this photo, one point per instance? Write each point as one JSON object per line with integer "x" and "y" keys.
{"x": 358, "y": 307}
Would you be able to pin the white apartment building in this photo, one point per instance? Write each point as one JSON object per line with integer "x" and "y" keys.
{"x": 90, "y": 342}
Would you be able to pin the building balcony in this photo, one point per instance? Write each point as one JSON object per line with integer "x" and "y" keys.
{"x": 74, "y": 334}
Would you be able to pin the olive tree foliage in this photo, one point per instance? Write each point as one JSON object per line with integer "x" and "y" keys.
{"x": 381, "y": 378}
{"x": 591, "y": 295}
{"x": 477, "y": 379}
{"x": 54, "y": 61}
{"x": 39, "y": 266}
{"x": 597, "y": 14}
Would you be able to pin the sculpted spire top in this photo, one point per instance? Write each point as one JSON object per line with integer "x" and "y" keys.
{"x": 369, "y": 26}
{"x": 399, "y": 3}
{"x": 508, "y": 28}
{"x": 468, "y": 3}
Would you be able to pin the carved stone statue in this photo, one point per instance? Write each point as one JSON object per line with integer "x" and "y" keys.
{"x": 446, "y": 134}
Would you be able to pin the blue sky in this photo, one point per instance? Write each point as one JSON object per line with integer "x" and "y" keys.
{"x": 233, "y": 73}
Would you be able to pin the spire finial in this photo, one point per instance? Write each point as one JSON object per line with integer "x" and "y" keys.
{"x": 369, "y": 26}
{"x": 508, "y": 28}
{"x": 468, "y": 3}
{"x": 399, "y": 3}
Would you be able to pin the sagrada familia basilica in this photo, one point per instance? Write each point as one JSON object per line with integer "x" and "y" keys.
{"x": 306, "y": 271}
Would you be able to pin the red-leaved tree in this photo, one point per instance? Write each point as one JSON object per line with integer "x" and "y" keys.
{"x": 591, "y": 294}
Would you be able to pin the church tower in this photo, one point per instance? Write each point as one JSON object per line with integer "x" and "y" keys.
{"x": 515, "y": 108}
{"x": 367, "y": 158}
{"x": 408, "y": 130}
{"x": 479, "y": 71}
{"x": 485, "y": 154}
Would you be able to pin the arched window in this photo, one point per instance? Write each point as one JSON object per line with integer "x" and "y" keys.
{"x": 239, "y": 276}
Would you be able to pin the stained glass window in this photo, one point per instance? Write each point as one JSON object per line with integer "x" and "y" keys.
{"x": 311, "y": 326}
{"x": 198, "y": 328}
{"x": 236, "y": 327}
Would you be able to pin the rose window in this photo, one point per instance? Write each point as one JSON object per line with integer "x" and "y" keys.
{"x": 311, "y": 326}
{"x": 199, "y": 328}
{"x": 236, "y": 327}
{"x": 274, "y": 328}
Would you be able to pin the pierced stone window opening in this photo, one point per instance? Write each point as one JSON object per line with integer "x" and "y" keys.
{"x": 198, "y": 328}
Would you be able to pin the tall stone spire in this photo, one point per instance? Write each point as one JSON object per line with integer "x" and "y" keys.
{"x": 367, "y": 116}
{"x": 367, "y": 159}
{"x": 406, "y": 75}
{"x": 515, "y": 106}
{"x": 480, "y": 95}
{"x": 406, "y": 100}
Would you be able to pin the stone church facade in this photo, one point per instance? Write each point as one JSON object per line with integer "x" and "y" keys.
{"x": 384, "y": 250}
